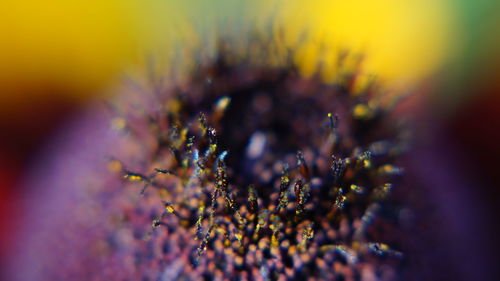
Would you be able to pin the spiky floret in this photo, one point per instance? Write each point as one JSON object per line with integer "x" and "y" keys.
{"x": 272, "y": 174}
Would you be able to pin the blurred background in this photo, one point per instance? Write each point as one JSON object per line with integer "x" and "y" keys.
{"x": 58, "y": 58}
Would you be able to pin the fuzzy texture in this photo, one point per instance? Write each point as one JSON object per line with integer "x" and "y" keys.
{"x": 262, "y": 174}
{"x": 247, "y": 171}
